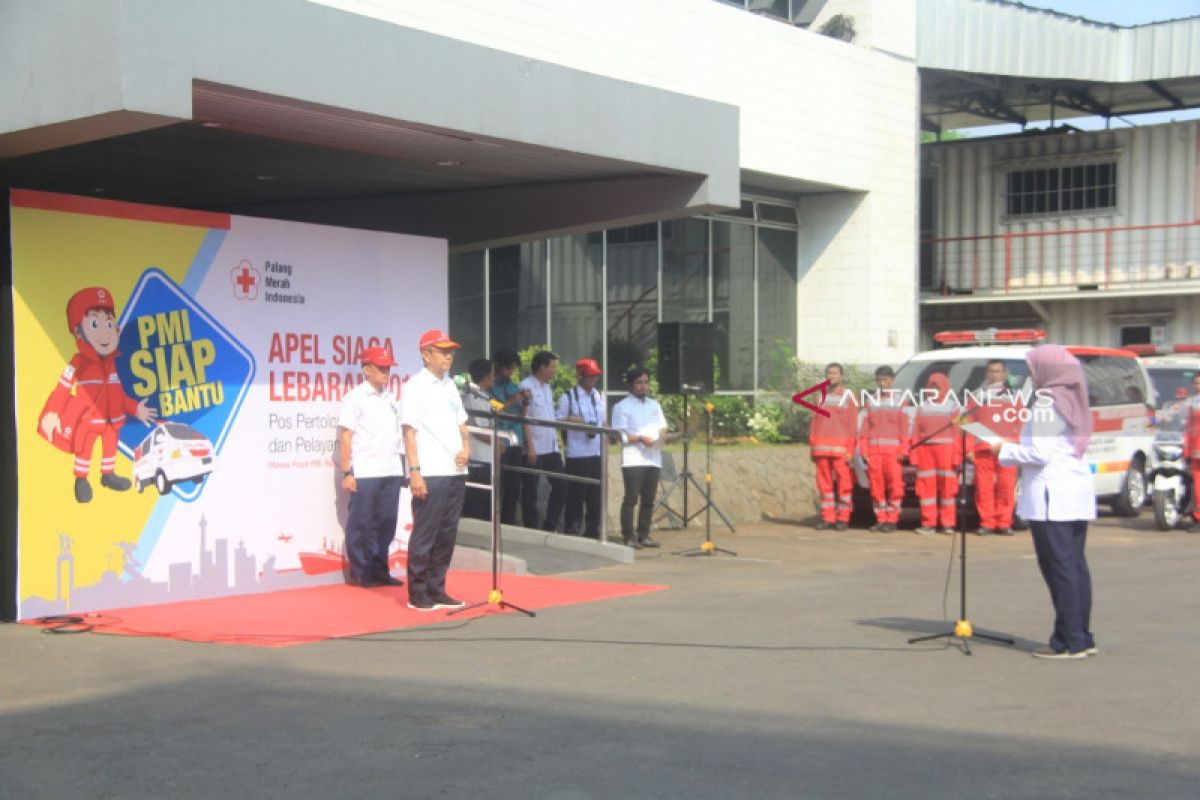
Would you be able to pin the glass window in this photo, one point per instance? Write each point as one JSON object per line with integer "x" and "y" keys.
{"x": 518, "y": 295}
{"x": 965, "y": 374}
{"x": 576, "y": 307}
{"x": 1052, "y": 189}
{"x": 467, "y": 305}
{"x": 769, "y": 212}
{"x": 1113, "y": 381}
{"x": 632, "y": 299}
{"x": 776, "y": 302}
{"x": 733, "y": 305}
{"x": 685, "y": 271}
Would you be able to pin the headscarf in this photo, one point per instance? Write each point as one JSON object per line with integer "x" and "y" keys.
{"x": 1056, "y": 372}
{"x": 940, "y": 385}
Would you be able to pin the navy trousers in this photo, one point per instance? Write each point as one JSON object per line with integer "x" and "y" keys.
{"x": 435, "y": 529}
{"x": 1059, "y": 547}
{"x": 370, "y": 527}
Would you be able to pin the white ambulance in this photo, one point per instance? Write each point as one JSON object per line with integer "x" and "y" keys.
{"x": 1119, "y": 389}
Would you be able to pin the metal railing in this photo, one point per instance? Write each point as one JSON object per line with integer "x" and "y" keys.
{"x": 579, "y": 427}
{"x": 1079, "y": 258}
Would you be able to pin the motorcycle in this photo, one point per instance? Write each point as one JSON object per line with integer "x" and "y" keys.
{"x": 1173, "y": 493}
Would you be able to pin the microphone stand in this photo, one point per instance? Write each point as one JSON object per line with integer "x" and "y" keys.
{"x": 963, "y": 629}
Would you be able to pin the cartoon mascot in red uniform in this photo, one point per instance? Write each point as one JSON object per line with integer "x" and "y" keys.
{"x": 89, "y": 403}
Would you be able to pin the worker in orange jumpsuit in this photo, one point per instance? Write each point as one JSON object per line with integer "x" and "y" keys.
{"x": 88, "y": 402}
{"x": 1191, "y": 449}
{"x": 831, "y": 445}
{"x": 998, "y": 408}
{"x": 936, "y": 449}
{"x": 883, "y": 444}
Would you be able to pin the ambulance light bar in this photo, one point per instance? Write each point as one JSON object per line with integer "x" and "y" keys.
{"x": 1161, "y": 349}
{"x": 991, "y": 336}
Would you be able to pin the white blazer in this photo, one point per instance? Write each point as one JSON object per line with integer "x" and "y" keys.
{"x": 1056, "y": 484}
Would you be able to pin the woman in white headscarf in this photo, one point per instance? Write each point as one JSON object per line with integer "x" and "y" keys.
{"x": 1058, "y": 497}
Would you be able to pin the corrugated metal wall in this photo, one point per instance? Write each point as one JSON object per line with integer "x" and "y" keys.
{"x": 1095, "y": 322}
{"x": 1156, "y": 184}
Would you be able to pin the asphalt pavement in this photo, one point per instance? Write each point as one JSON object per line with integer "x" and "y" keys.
{"x": 782, "y": 672}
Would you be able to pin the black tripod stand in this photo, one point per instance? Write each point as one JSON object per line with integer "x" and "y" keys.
{"x": 708, "y": 547}
{"x": 963, "y": 629}
{"x": 685, "y": 476}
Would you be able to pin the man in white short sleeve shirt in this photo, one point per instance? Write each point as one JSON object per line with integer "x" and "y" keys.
{"x": 438, "y": 447}
{"x": 582, "y": 403}
{"x": 643, "y": 429}
{"x": 372, "y": 472}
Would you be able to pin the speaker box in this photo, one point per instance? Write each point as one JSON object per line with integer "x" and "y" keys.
{"x": 685, "y": 357}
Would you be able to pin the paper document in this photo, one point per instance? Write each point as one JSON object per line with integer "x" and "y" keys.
{"x": 982, "y": 432}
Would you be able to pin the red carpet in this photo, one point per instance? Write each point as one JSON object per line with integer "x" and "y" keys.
{"x": 299, "y": 616}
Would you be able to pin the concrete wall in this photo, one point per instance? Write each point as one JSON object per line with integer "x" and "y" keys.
{"x": 815, "y": 115}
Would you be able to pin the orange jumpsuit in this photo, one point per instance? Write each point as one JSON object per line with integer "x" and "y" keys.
{"x": 831, "y": 443}
{"x": 936, "y": 448}
{"x": 883, "y": 440}
{"x": 995, "y": 485}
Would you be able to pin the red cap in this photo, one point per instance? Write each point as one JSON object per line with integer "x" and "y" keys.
{"x": 588, "y": 366}
{"x": 436, "y": 337}
{"x": 84, "y": 301}
{"x": 379, "y": 356}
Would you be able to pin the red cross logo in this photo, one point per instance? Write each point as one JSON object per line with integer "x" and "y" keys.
{"x": 245, "y": 281}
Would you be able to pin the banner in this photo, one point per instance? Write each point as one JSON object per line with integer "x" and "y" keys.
{"x": 178, "y": 378}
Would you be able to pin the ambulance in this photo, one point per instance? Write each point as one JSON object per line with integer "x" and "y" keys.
{"x": 1120, "y": 392}
{"x": 172, "y": 453}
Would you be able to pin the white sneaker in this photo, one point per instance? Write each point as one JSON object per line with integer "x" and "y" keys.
{"x": 1046, "y": 652}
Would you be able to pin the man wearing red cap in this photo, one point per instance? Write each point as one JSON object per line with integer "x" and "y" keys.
{"x": 98, "y": 407}
{"x": 582, "y": 403}
{"x": 369, "y": 449}
{"x": 438, "y": 447}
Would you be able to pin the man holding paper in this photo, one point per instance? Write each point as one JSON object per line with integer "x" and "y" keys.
{"x": 643, "y": 429}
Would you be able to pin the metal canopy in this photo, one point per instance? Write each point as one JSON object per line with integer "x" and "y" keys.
{"x": 962, "y": 99}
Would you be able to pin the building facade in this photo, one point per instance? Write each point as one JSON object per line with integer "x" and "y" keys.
{"x": 1094, "y": 236}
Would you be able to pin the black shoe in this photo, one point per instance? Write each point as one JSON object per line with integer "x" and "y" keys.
{"x": 421, "y": 604}
{"x": 83, "y": 491}
{"x": 878, "y": 527}
{"x": 446, "y": 601}
{"x": 648, "y": 542}
{"x": 824, "y": 526}
{"x": 388, "y": 580}
{"x": 841, "y": 526}
{"x": 633, "y": 544}
{"x": 115, "y": 482}
{"x": 984, "y": 532}
{"x": 889, "y": 527}
{"x": 1003, "y": 532}
{"x": 1193, "y": 528}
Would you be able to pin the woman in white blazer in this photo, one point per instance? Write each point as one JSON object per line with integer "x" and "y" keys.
{"x": 1058, "y": 497}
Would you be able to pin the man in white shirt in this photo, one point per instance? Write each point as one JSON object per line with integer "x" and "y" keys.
{"x": 372, "y": 472}
{"x": 437, "y": 444}
{"x": 643, "y": 428}
{"x": 582, "y": 403}
{"x": 541, "y": 444}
